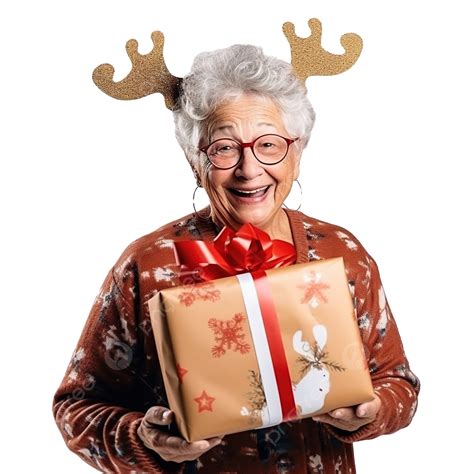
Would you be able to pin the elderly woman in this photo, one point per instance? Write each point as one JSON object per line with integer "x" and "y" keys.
{"x": 243, "y": 121}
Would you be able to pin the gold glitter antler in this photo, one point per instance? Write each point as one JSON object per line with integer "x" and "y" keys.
{"x": 149, "y": 74}
{"x": 308, "y": 57}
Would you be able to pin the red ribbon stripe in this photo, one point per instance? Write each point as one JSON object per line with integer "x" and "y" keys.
{"x": 275, "y": 343}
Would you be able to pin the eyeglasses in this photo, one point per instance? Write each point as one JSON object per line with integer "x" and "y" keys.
{"x": 269, "y": 149}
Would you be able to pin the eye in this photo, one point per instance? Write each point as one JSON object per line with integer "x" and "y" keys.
{"x": 223, "y": 148}
{"x": 270, "y": 145}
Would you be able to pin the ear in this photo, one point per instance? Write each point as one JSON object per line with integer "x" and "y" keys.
{"x": 296, "y": 167}
{"x": 197, "y": 176}
{"x": 320, "y": 335}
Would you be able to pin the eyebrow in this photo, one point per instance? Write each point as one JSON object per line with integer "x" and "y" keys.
{"x": 224, "y": 127}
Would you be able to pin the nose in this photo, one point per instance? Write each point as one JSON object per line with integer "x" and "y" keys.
{"x": 249, "y": 167}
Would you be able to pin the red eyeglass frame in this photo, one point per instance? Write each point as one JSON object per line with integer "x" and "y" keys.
{"x": 250, "y": 145}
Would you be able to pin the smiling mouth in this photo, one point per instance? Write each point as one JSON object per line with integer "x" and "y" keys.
{"x": 250, "y": 194}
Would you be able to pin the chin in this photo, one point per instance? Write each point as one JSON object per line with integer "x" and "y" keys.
{"x": 256, "y": 217}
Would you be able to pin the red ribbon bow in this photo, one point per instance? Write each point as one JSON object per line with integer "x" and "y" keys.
{"x": 247, "y": 250}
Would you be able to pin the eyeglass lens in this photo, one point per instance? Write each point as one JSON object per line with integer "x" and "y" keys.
{"x": 269, "y": 149}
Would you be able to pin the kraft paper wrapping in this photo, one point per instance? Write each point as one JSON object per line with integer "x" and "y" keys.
{"x": 208, "y": 359}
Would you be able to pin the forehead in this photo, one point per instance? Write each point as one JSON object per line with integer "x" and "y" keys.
{"x": 246, "y": 111}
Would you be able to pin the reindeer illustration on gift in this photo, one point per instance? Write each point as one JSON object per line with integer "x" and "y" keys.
{"x": 310, "y": 391}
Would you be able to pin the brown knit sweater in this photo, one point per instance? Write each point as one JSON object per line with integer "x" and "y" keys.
{"x": 114, "y": 374}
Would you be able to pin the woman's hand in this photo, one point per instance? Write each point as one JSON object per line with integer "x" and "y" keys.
{"x": 352, "y": 418}
{"x": 170, "y": 448}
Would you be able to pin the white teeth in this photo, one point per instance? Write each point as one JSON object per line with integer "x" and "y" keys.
{"x": 252, "y": 192}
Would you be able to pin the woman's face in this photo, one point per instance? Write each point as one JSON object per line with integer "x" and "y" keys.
{"x": 244, "y": 120}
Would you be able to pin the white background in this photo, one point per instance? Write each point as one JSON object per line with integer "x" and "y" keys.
{"x": 82, "y": 175}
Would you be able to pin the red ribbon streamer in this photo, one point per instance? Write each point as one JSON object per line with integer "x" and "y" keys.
{"x": 275, "y": 344}
{"x": 247, "y": 250}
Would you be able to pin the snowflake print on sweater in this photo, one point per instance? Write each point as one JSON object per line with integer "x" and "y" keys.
{"x": 203, "y": 292}
{"x": 315, "y": 464}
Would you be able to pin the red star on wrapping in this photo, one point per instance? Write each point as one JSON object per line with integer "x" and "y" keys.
{"x": 204, "y": 401}
{"x": 181, "y": 372}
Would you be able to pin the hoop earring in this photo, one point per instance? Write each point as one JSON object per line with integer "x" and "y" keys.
{"x": 301, "y": 198}
{"x": 196, "y": 213}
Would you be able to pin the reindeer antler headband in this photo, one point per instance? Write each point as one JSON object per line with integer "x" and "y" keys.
{"x": 149, "y": 73}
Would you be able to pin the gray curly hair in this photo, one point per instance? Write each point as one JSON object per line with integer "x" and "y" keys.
{"x": 224, "y": 75}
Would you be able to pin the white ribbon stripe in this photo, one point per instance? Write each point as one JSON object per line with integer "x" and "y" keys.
{"x": 262, "y": 350}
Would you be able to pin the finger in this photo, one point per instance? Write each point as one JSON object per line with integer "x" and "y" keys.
{"x": 344, "y": 414}
{"x": 158, "y": 416}
{"x": 203, "y": 445}
{"x": 322, "y": 418}
{"x": 368, "y": 409}
{"x": 327, "y": 418}
{"x": 187, "y": 451}
{"x": 172, "y": 443}
{"x": 341, "y": 424}
{"x": 176, "y": 443}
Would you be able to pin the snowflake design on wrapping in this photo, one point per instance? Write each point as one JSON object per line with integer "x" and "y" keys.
{"x": 205, "y": 292}
{"x": 314, "y": 289}
{"x": 229, "y": 335}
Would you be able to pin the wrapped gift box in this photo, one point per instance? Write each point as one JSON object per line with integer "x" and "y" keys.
{"x": 253, "y": 350}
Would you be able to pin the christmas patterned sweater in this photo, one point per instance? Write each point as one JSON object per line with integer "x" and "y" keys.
{"x": 114, "y": 375}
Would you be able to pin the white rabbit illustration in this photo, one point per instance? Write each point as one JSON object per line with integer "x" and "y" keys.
{"x": 312, "y": 389}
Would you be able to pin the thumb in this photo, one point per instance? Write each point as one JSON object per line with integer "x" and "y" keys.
{"x": 159, "y": 416}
